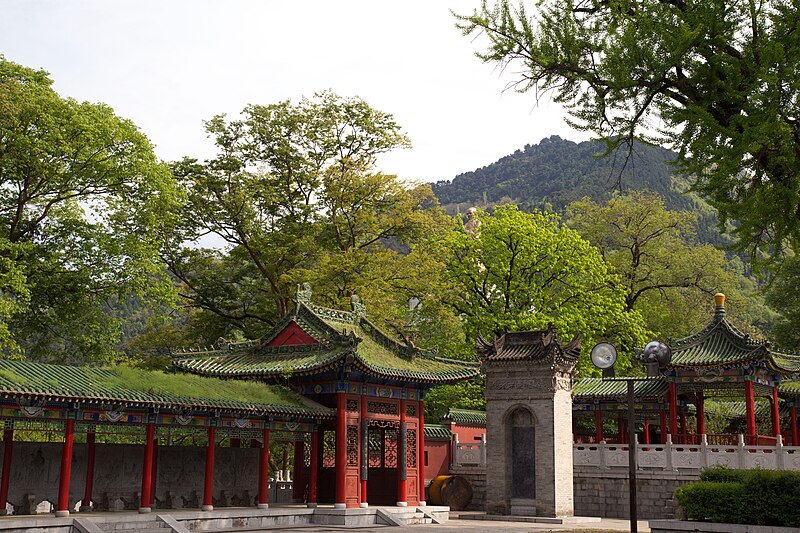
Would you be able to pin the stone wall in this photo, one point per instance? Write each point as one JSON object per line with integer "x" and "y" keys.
{"x": 35, "y": 473}
{"x": 606, "y": 494}
{"x": 476, "y": 475}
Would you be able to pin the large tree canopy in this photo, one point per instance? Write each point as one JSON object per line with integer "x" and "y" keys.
{"x": 718, "y": 81}
{"x": 83, "y": 206}
{"x": 294, "y": 193}
{"x": 521, "y": 271}
{"x": 666, "y": 274}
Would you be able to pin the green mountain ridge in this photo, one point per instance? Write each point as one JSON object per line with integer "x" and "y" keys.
{"x": 551, "y": 174}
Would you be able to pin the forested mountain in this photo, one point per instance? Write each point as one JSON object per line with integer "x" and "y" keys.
{"x": 555, "y": 172}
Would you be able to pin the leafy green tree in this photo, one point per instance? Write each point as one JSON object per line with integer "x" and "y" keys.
{"x": 716, "y": 80}
{"x": 84, "y": 205}
{"x": 782, "y": 296}
{"x": 522, "y": 271}
{"x": 666, "y": 274}
{"x": 295, "y": 194}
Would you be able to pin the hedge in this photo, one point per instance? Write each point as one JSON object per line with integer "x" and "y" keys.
{"x": 757, "y": 497}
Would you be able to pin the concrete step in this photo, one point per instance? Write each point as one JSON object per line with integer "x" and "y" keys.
{"x": 150, "y": 526}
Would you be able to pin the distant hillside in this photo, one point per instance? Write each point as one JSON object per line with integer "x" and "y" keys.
{"x": 555, "y": 172}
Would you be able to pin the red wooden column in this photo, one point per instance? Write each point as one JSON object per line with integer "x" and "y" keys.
{"x": 792, "y": 415}
{"x": 154, "y": 475}
{"x": 86, "y": 503}
{"x": 776, "y": 417}
{"x": 313, "y": 470}
{"x": 683, "y": 428}
{"x": 701, "y": 412}
{"x": 298, "y": 487}
{"x": 402, "y": 489}
{"x": 147, "y": 469}
{"x": 62, "y": 508}
{"x": 750, "y": 410}
{"x": 621, "y": 433}
{"x": 263, "y": 472}
{"x": 364, "y": 455}
{"x": 646, "y": 431}
{"x": 341, "y": 451}
{"x": 236, "y": 442}
{"x": 421, "y": 452}
{"x": 208, "y": 489}
{"x": 662, "y": 414}
{"x": 673, "y": 410}
{"x": 598, "y": 425}
{"x": 8, "y": 446}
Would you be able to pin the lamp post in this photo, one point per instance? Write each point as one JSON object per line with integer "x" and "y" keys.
{"x": 656, "y": 355}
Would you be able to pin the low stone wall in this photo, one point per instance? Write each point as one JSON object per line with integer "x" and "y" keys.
{"x": 606, "y": 494}
{"x": 675, "y": 526}
{"x": 35, "y": 471}
{"x": 476, "y": 475}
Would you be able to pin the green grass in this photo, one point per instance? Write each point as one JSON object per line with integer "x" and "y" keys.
{"x": 198, "y": 387}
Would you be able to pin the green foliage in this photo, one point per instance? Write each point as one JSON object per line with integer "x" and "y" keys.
{"x": 667, "y": 275}
{"x": 464, "y": 395}
{"x": 782, "y": 295}
{"x": 717, "y": 81}
{"x": 758, "y": 497}
{"x": 83, "y": 207}
{"x": 523, "y": 271}
{"x": 294, "y": 193}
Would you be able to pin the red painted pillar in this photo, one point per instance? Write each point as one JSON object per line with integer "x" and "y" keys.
{"x": 8, "y": 446}
{"x": 402, "y": 487}
{"x": 792, "y": 415}
{"x": 776, "y": 416}
{"x": 236, "y": 442}
{"x": 208, "y": 489}
{"x": 341, "y": 451}
{"x": 662, "y": 414}
{"x": 364, "y": 449}
{"x": 750, "y": 409}
{"x": 421, "y": 450}
{"x": 701, "y": 412}
{"x": 621, "y": 430}
{"x": 313, "y": 471}
{"x": 86, "y": 504}
{"x": 263, "y": 473}
{"x": 154, "y": 475}
{"x": 299, "y": 485}
{"x": 147, "y": 470}
{"x": 62, "y": 509}
{"x": 673, "y": 410}
{"x": 598, "y": 425}
{"x": 646, "y": 431}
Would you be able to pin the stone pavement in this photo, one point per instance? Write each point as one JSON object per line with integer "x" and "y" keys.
{"x": 605, "y": 525}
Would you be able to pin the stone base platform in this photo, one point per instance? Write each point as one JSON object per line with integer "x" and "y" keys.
{"x": 566, "y": 521}
{"x": 187, "y": 521}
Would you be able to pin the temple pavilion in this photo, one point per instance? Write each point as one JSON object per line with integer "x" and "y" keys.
{"x": 346, "y": 395}
{"x": 718, "y": 362}
{"x": 373, "y": 451}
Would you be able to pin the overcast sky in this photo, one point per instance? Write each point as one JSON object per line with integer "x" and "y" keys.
{"x": 170, "y": 64}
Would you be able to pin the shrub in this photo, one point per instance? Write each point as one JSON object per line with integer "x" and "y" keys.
{"x": 714, "y": 501}
{"x": 757, "y": 497}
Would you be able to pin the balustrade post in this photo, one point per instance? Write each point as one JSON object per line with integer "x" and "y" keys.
{"x": 704, "y": 450}
{"x": 668, "y": 449}
{"x": 779, "y": 452}
{"x": 740, "y": 451}
{"x": 602, "y": 449}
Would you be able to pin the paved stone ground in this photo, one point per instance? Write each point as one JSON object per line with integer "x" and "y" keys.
{"x": 605, "y": 525}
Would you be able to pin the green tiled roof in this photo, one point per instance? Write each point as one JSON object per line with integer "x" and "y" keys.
{"x": 437, "y": 432}
{"x": 342, "y": 335}
{"x": 721, "y": 344}
{"x": 617, "y": 389}
{"x": 789, "y": 387}
{"x": 466, "y": 416}
{"x": 150, "y": 388}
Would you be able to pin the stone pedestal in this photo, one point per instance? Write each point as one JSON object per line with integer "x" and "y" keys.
{"x": 529, "y": 423}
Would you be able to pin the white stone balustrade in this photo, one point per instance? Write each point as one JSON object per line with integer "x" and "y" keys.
{"x": 469, "y": 453}
{"x": 685, "y": 457}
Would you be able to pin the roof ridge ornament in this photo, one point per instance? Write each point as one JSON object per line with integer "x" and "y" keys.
{"x": 358, "y": 307}
{"x": 719, "y": 306}
{"x": 303, "y": 294}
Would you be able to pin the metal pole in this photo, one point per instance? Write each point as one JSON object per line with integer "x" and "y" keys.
{"x": 632, "y": 455}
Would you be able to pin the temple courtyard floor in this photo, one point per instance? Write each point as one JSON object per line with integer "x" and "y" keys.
{"x": 299, "y": 518}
